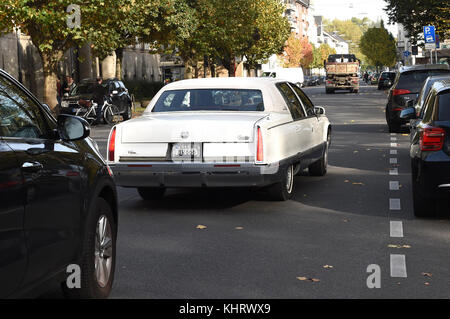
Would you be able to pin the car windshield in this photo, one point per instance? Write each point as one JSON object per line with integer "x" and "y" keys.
{"x": 413, "y": 80}
{"x": 444, "y": 106}
{"x": 210, "y": 100}
{"x": 84, "y": 88}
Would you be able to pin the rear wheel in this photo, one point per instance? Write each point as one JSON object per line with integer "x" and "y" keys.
{"x": 151, "y": 193}
{"x": 128, "y": 113}
{"x": 329, "y": 91}
{"x": 319, "y": 168}
{"x": 283, "y": 190}
{"x": 98, "y": 254}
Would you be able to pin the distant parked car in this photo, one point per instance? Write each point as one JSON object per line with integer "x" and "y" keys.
{"x": 221, "y": 132}
{"x": 115, "y": 90}
{"x": 311, "y": 80}
{"x": 407, "y": 85}
{"x": 386, "y": 80}
{"x": 430, "y": 149}
{"x": 58, "y": 202}
{"x": 293, "y": 75}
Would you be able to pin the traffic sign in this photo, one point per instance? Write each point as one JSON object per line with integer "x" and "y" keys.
{"x": 430, "y": 46}
{"x": 406, "y": 54}
{"x": 429, "y": 33}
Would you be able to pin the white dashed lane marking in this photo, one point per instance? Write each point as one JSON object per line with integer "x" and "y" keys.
{"x": 396, "y": 229}
{"x": 393, "y": 161}
{"x": 394, "y": 185}
{"x": 398, "y": 266}
{"x": 393, "y": 139}
{"x": 393, "y": 152}
{"x": 393, "y": 171}
{"x": 394, "y": 204}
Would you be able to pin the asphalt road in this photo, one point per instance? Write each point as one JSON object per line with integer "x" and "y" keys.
{"x": 255, "y": 248}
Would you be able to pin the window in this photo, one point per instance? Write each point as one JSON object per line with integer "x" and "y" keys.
{"x": 309, "y": 106}
{"x": 291, "y": 100}
{"x": 19, "y": 115}
{"x": 444, "y": 106}
{"x": 429, "y": 106}
{"x": 210, "y": 100}
{"x": 413, "y": 80}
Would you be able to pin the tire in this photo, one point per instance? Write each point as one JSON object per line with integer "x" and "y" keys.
{"x": 320, "y": 167}
{"x": 356, "y": 91}
{"x": 97, "y": 251}
{"x": 283, "y": 190}
{"x": 128, "y": 113}
{"x": 151, "y": 193}
{"x": 329, "y": 91}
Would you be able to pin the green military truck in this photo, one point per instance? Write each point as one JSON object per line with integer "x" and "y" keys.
{"x": 342, "y": 73}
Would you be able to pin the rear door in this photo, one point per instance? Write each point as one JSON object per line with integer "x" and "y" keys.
{"x": 51, "y": 183}
{"x": 13, "y": 251}
{"x": 298, "y": 131}
{"x": 317, "y": 125}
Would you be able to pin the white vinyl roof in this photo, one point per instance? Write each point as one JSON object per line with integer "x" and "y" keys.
{"x": 273, "y": 100}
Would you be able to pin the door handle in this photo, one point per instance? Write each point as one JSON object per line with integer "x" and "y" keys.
{"x": 31, "y": 167}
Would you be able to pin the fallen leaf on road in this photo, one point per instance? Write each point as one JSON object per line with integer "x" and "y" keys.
{"x": 327, "y": 266}
{"x": 399, "y": 246}
{"x": 346, "y": 181}
{"x": 354, "y": 152}
{"x": 426, "y": 283}
{"x": 368, "y": 149}
{"x": 405, "y": 134}
{"x": 427, "y": 274}
{"x": 362, "y": 184}
{"x": 353, "y": 121}
{"x": 239, "y": 228}
{"x": 308, "y": 279}
{"x": 201, "y": 227}
{"x": 302, "y": 278}
{"x": 315, "y": 280}
{"x": 345, "y": 220}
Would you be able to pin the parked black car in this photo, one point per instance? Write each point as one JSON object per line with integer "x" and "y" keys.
{"x": 84, "y": 90}
{"x": 311, "y": 80}
{"x": 58, "y": 200}
{"x": 430, "y": 149}
{"x": 407, "y": 84}
{"x": 386, "y": 80}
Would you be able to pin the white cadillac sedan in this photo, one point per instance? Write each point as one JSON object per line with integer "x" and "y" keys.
{"x": 221, "y": 132}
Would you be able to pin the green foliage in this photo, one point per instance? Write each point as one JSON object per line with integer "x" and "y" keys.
{"x": 379, "y": 46}
{"x": 320, "y": 54}
{"x": 352, "y": 31}
{"x": 143, "y": 89}
{"x": 415, "y": 14}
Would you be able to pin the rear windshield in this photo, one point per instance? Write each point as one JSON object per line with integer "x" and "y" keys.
{"x": 210, "y": 100}
{"x": 85, "y": 88}
{"x": 413, "y": 80}
{"x": 444, "y": 106}
{"x": 385, "y": 76}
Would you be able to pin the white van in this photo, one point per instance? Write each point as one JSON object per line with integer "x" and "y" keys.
{"x": 294, "y": 75}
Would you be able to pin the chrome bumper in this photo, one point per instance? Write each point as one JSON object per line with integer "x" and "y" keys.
{"x": 194, "y": 174}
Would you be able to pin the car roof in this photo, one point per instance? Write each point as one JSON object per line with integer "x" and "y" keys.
{"x": 420, "y": 67}
{"x": 441, "y": 85}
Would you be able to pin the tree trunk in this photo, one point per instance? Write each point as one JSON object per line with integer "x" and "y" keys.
{"x": 49, "y": 63}
{"x": 119, "y": 58}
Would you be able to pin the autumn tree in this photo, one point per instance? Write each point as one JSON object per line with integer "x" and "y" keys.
{"x": 320, "y": 54}
{"x": 415, "y": 14}
{"x": 379, "y": 46}
{"x": 297, "y": 52}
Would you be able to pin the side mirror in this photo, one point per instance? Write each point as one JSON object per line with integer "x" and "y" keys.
{"x": 115, "y": 92}
{"x": 72, "y": 128}
{"x": 408, "y": 114}
{"x": 47, "y": 108}
{"x": 319, "y": 110}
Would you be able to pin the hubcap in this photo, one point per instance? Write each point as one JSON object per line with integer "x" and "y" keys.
{"x": 290, "y": 179}
{"x": 103, "y": 251}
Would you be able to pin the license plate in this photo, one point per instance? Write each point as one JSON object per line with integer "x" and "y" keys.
{"x": 186, "y": 151}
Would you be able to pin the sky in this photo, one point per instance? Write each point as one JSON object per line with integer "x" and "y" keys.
{"x": 346, "y": 9}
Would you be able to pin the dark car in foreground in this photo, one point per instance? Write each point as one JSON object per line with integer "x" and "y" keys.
{"x": 430, "y": 149}
{"x": 407, "y": 85}
{"x": 386, "y": 79}
{"x": 58, "y": 208}
{"x": 114, "y": 89}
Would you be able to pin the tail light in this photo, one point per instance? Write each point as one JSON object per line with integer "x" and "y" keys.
{"x": 400, "y": 92}
{"x": 432, "y": 139}
{"x": 259, "y": 147}
{"x": 112, "y": 145}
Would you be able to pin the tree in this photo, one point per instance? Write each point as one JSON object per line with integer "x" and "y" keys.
{"x": 297, "y": 52}
{"x": 379, "y": 46}
{"x": 415, "y": 14}
{"x": 320, "y": 54}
